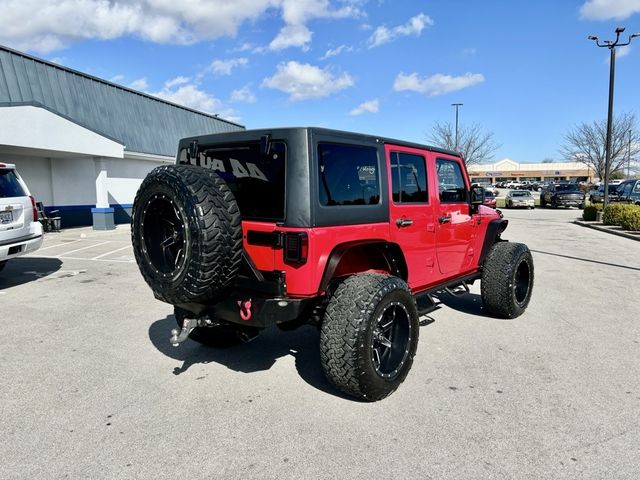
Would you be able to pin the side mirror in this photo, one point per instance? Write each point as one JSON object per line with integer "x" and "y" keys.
{"x": 477, "y": 195}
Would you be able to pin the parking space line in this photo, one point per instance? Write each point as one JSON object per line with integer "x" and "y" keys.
{"x": 83, "y": 248}
{"x": 89, "y": 259}
{"x": 60, "y": 244}
{"x": 109, "y": 253}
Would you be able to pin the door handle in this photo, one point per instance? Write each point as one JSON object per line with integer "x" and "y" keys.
{"x": 444, "y": 220}
{"x": 404, "y": 222}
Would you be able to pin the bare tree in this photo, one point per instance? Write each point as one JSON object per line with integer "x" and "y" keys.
{"x": 586, "y": 143}
{"x": 475, "y": 145}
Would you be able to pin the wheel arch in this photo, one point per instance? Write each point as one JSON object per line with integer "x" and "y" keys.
{"x": 360, "y": 256}
{"x": 491, "y": 236}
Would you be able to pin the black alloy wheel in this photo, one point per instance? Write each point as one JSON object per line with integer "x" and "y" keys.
{"x": 390, "y": 340}
{"x": 164, "y": 235}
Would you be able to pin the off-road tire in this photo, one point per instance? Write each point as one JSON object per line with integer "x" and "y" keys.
{"x": 349, "y": 344}
{"x": 221, "y": 336}
{"x": 507, "y": 279}
{"x": 204, "y": 251}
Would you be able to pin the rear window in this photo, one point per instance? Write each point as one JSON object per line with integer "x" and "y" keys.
{"x": 9, "y": 184}
{"x": 348, "y": 174}
{"x": 569, "y": 187}
{"x": 257, "y": 180}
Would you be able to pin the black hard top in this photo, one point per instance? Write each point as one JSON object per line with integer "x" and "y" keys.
{"x": 287, "y": 131}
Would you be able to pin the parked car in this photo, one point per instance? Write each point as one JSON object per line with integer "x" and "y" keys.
{"x": 519, "y": 198}
{"x": 20, "y": 231}
{"x": 487, "y": 186}
{"x": 597, "y": 196}
{"x": 629, "y": 192}
{"x": 562, "y": 195}
{"x": 489, "y": 199}
{"x": 299, "y": 226}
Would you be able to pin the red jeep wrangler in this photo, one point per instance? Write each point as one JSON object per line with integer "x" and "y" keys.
{"x": 353, "y": 233}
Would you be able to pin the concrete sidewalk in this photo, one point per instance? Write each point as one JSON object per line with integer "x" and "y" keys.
{"x": 613, "y": 229}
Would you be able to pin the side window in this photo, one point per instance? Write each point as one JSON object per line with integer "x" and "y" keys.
{"x": 636, "y": 189}
{"x": 348, "y": 174}
{"x": 451, "y": 182}
{"x": 408, "y": 178}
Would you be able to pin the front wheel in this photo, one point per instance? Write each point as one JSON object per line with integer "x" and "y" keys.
{"x": 369, "y": 335}
{"x": 507, "y": 279}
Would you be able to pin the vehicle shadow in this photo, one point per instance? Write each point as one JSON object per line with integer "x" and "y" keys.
{"x": 470, "y": 303}
{"x": 21, "y": 270}
{"x": 258, "y": 355}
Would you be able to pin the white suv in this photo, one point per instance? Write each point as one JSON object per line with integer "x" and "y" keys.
{"x": 20, "y": 230}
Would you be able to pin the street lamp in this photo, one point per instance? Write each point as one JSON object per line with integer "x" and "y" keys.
{"x": 456, "y": 105}
{"x": 611, "y": 45}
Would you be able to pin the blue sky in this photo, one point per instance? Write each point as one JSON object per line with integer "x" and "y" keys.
{"x": 523, "y": 69}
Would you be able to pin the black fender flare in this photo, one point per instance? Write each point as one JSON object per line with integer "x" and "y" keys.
{"x": 492, "y": 235}
{"x": 391, "y": 251}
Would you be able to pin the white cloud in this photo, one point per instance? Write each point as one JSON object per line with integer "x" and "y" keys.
{"x": 609, "y": 9}
{"x": 336, "y": 51}
{"x": 414, "y": 26}
{"x": 55, "y": 24}
{"x": 244, "y": 95}
{"x": 435, "y": 85}
{"x": 139, "y": 84}
{"x": 180, "y": 80}
{"x": 225, "y": 67}
{"x": 302, "y": 81}
{"x": 292, "y": 36}
{"x": 117, "y": 78}
{"x": 371, "y": 106}
{"x": 296, "y": 14}
{"x": 44, "y": 27}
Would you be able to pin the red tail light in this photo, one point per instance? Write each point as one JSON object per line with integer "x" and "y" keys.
{"x": 296, "y": 247}
{"x": 33, "y": 207}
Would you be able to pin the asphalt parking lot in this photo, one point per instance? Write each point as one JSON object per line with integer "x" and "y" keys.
{"x": 91, "y": 388}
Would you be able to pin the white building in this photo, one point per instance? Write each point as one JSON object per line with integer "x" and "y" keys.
{"x": 84, "y": 144}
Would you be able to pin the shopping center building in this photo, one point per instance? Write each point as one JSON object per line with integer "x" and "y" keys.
{"x": 507, "y": 169}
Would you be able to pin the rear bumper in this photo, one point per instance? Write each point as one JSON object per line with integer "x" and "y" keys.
{"x": 255, "y": 303}
{"x": 20, "y": 246}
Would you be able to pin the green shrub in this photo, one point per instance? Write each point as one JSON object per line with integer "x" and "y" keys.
{"x": 613, "y": 213}
{"x": 589, "y": 213}
{"x": 631, "y": 218}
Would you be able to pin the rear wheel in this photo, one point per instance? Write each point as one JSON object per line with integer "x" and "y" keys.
{"x": 507, "y": 279}
{"x": 369, "y": 335}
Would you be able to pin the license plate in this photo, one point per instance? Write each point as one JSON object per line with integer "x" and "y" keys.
{"x": 6, "y": 217}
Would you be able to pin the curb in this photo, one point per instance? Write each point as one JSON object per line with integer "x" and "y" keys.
{"x": 609, "y": 229}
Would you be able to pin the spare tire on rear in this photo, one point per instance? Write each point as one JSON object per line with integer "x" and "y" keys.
{"x": 186, "y": 233}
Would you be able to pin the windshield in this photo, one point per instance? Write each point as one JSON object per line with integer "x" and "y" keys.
{"x": 256, "y": 180}
{"x": 9, "y": 184}
{"x": 520, "y": 193}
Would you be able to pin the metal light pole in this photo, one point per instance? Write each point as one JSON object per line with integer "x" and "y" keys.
{"x": 456, "y": 105}
{"x": 611, "y": 45}
{"x": 629, "y": 156}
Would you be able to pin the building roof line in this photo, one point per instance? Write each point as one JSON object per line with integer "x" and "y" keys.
{"x": 114, "y": 85}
